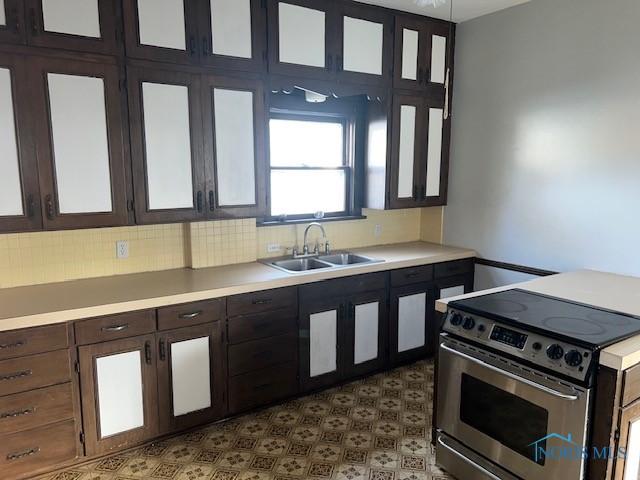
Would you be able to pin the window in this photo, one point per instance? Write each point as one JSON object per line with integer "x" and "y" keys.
{"x": 312, "y": 154}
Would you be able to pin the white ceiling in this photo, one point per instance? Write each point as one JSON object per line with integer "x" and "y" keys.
{"x": 462, "y": 9}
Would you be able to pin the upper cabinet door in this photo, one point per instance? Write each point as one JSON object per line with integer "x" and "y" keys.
{"x": 19, "y": 193}
{"x": 235, "y": 159}
{"x": 438, "y": 55}
{"x": 82, "y": 25}
{"x": 405, "y": 172}
{"x": 233, "y": 34}
{"x": 435, "y": 155}
{"x": 166, "y": 145}
{"x": 164, "y": 30}
{"x": 365, "y": 45}
{"x": 302, "y": 38}
{"x": 12, "y": 21}
{"x": 81, "y": 158}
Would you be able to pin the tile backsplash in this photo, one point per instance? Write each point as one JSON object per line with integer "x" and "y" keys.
{"x": 44, "y": 257}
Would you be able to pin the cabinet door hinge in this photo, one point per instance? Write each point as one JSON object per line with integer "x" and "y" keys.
{"x": 616, "y": 435}
{"x": 130, "y": 205}
{"x": 82, "y": 438}
{"x": 76, "y": 367}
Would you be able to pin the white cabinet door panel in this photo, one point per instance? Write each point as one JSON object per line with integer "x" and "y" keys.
{"x": 80, "y": 144}
{"x": 452, "y": 291}
{"x": 161, "y": 23}
{"x": 168, "y": 146}
{"x": 301, "y": 35}
{"x": 235, "y": 147}
{"x": 231, "y": 28}
{"x": 3, "y": 15}
{"x": 410, "y": 43}
{"x": 438, "y": 58}
{"x": 73, "y": 17}
{"x": 411, "y": 321}
{"x": 120, "y": 397}
{"x": 323, "y": 343}
{"x": 191, "y": 375}
{"x": 366, "y": 332}
{"x": 10, "y": 182}
{"x": 363, "y": 42}
{"x": 632, "y": 458}
{"x": 408, "y": 117}
{"x": 434, "y": 151}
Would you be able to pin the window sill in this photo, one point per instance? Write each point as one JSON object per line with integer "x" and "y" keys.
{"x": 298, "y": 221}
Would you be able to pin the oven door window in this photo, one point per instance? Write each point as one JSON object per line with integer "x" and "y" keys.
{"x": 506, "y": 418}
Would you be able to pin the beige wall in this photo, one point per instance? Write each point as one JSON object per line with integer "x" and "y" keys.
{"x": 44, "y": 257}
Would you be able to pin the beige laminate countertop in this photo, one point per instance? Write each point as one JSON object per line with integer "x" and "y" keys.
{"x": 605, "y": 290}
{"x": 37, "y": 305}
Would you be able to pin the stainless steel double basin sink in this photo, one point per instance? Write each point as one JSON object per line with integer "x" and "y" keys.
{"x": 320, "y": 262}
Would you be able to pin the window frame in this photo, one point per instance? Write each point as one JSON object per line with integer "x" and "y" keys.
{"x": 349, "y": 113}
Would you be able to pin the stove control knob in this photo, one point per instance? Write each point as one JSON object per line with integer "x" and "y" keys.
{"x": 573, "y": 358}
{"x": 555, "y": 352}
{"x": 456, "y": 319}
{"x": 469, "y": 323}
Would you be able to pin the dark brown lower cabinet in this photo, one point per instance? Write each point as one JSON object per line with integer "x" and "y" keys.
{"x": 191, "y": 386}
{"x": 118, "y": 381}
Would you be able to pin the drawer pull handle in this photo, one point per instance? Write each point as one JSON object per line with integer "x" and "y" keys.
{"x": 18, "y": 344}
{"x": 412, "y": 275}
{"x": 186, "y": 316}
{"x": 18, "y": 413}
{"x": 115, "y": 328}
{"x": 17, "y": 375}
{"x": 262, "y": 301}
{"x": 26, "y": 453}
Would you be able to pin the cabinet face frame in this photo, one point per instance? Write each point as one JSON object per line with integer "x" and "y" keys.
{"x": 308, "y": 308}
{"x": 420, "y": 28}
{"x": 217, "y": 368}
{"x": 109, "y": 12}
{"x": 31, "y": 218}
{"x": 362, "y": 12}
{"x": 351, "y": 369}
{"x": 14, "y": 30}
{"x": 135, "y": 49}
{"x": 258, "y": 62}
{"x": 394, "y": 321}
{"x": 136, "y": 77}
{"x": 88, "y": 355}
{"x": 258, "y": 209}
{"x": 282, "y": 68}
{"x": 116, "y": 131}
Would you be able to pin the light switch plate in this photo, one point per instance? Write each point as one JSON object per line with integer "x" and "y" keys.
{"x": 122, "y": 249}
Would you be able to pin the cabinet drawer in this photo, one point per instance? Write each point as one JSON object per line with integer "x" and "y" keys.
{"x": 104, "y": 329}
{"x": 262, "y": 387}
{"x": 449, "y": 269}
{"x": 34, "y": 450}
{"x": 344, "y": 286}
{"x": 17, "y": 343}
{"x": 259, "y": 354}
{"x": 191, "y": 314}
{"x": 262, "y": 325}
{"x": 262, "y": 301}
{"x": 408, "y": 276}
{"x": 27, "y": 373}
{"x": 24, "y": 411}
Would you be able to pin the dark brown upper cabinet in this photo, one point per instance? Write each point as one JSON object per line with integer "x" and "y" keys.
{"x": 365, "y": 45}
{"x": 235, "y": 147}
{"x": 80, "y": 25}
{"x": 233, "y": 34}
{"x": 302, "y": 38}
{"x": 19, "y": 191}
{"x": 12, "y": 29}
{"x": 423, "y": 53}
{"x": 79, "y": 135}
{"x": 227, "y": 34}
{"x": 166, "y": 145}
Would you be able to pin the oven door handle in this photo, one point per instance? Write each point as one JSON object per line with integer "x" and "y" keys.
{"x": 506, "y": 373}
{"x": 467, "y": 460}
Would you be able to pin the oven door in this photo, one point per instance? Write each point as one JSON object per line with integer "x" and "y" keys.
{"x": 498, "y": 409}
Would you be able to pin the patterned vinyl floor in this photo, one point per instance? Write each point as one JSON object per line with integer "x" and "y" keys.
{"x": 372, "y": 429}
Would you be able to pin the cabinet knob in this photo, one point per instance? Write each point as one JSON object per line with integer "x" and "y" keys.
{"x": 49, "y": 206}
{"x": 211, "y": 201}
{"x": 199, "y": 201}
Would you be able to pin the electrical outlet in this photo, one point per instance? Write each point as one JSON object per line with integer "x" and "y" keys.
{"x": 273, "y": 248}
{"x": 377, "y": 231}
{"x": 122, "y": 249}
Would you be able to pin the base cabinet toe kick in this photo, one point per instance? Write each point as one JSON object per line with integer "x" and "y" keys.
{"x": 80, "y": 390}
